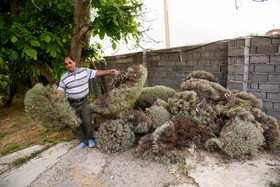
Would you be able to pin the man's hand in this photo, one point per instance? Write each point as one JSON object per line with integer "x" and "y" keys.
{"x": 106, "y": 72}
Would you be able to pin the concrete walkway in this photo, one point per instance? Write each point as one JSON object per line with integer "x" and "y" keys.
{"x": 64, "y": 165}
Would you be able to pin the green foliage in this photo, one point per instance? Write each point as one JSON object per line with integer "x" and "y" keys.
{"x": 22, "y": 160}
{"x": 150, "y": 94}
{"x": 114, "y": 136}
{"x": 53, "y": 111}
{"x": 183, "y": 167}
{"x": 39, "y": 34}
{"x": 10, "y": 149}
{"x": 126, "y": 90}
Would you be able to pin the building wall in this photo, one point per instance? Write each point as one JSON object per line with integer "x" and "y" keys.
{"x": 249, "y": 64}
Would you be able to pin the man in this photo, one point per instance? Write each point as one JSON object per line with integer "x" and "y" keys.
{"x": 75, "y": 84}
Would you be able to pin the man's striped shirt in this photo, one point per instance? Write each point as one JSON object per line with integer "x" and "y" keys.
{"x": 76, "y": 86}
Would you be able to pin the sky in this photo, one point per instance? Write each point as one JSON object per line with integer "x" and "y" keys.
{"x": 200, "y": 21}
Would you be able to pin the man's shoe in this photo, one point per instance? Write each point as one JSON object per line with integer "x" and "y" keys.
{"x": 91, "y": 143}
{"x": 81, "y": 146}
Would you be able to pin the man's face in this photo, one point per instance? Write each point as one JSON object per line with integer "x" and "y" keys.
{"x": 69, "y": 64}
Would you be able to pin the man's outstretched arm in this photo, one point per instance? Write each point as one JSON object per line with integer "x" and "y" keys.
{"x": 106, "y": 72}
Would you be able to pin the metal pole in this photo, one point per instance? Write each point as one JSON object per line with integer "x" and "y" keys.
{"x": 167, "y": 38}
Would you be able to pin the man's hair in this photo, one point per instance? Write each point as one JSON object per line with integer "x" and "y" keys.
{"x": 72, "y": 58}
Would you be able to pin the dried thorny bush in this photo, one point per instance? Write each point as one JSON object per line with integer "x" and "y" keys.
{"x": 202, "y": 75}
{"x": 127, "y": 88}
{"x": 52, "y": 111}
{"x": 239, "y": 138}
{"x": 114, "y": 136}
{"x": 150, "y": 94}
{"x": 159, "y": 146}
{"x": 190, "y": 105}
{"x": 138, "y": 121}
{"x": 159, "y": 115}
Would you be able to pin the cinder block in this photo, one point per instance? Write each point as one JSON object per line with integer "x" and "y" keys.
{"x": 156, "y": 58}
{"x": 237, "y": 51}
{"x": 174, "y": 57}
{"x": 275, "y": 59}
{"x": 274, "y": 78}
{"x": 269, "y": 86}
{"x": 259, "y": 77}
{"x": 258, "y": 94}
{"x": 275, "y": 41}
{"x": 210, "y": 54}
{"x": 259, "y": 59}
{"x": 238, "y": 69}
{"x": 273, "y": 96}
{"x": 192, "y": 62}
{"x": 267, "y": 104}
{"x": 267, "y": 49}
{"x": 198, "y": 68}
{"x": 264, "y": 68}
{"x": 254, "y": 85}
{"x": 171, "y": 75}
{"x": 237, "y": 85}
{"x": 162, "y": 63}
{"x": 276, "y": 106}
{"x": 274, "y": 113}
{"x": 221, "y": 53}
{"x": 212, "y": 68}
{"x": 235, "y": 77}
{"x": 260, "y": 41}
{"x": 253, "y": 50}
{"x": 277, "y": 68}
{"x": 203, "y": 62}
{"x": 181, "y": 75}
{"x": 170, "y": 63}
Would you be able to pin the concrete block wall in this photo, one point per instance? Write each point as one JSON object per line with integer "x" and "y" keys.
{"x": 249, "y": 64}
{"x": 264, "y": 74}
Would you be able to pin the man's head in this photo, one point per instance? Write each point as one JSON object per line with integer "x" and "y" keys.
{"x": 70, "y": 64}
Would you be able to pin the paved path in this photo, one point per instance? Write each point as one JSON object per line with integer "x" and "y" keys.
{"x": 64, "y": 165}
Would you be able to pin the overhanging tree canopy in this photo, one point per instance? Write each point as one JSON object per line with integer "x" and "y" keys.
{"x": 38, "y": 33}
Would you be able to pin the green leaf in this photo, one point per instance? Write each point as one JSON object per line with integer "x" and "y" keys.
{"x": 20, "y": 44}
{"x": 64, "y": 40}
{"x": 14, "y": 39}
{"x": 59, "y": 42}
{"x": 48, "y": 38}
{"x": 3, "y": 49}
{"x": 53, "y": 53}
{"x": 116, "y": 23}
{"x": 114, "y": 46}
{"x": 1, "y": 22}
{"x": 14, "y": 55}
{"x": 35, "y": 43}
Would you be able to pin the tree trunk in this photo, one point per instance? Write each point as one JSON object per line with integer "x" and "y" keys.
{"x": 80, "y": 30}
{"x": 46, "y": 71}
{"x": 12, "y": 93}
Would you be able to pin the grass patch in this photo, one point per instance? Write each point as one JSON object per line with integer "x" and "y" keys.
{"x": 18, "y": 131}
{"x": 22, "y": 160}
{"x": 183, "y": 167}
{"x": 10, "y": 149}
